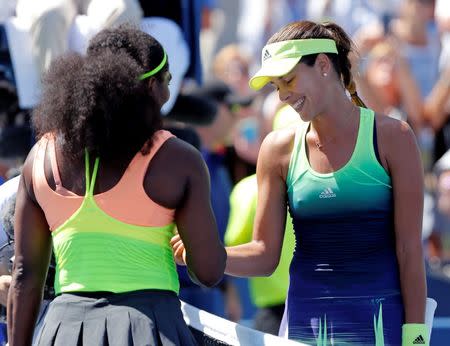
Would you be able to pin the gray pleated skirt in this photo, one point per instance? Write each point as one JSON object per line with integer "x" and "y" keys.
{"x": 150, "y": 317}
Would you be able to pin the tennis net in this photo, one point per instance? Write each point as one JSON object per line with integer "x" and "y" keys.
{"x": 211, "y": 330}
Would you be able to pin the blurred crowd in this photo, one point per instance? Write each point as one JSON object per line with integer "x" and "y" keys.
{"x": 402, "y": 70}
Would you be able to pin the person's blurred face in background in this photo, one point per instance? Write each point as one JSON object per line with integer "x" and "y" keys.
{"x": 418, "y": 10}
{"x": 218, "y": 133}
{"x": 381, "y": 74}
{"x": 231, "y": 65}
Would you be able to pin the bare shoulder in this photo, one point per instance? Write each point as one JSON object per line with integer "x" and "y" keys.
{"x": 177, "y": 166}
{"x": 175, "y": 144}
{"x": 276, "y": 149}
{"x": 181, "y": 153}
{"x": 280, "y": 141}
{"x": 397, "y": 141}
{"x": 393, "y": 131}
{"x": 27, "y": 171}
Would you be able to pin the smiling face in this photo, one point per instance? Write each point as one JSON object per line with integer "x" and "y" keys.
{"x": 304, "y": 87}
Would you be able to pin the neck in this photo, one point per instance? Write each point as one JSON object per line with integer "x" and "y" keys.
{"x": 335, "y": 118}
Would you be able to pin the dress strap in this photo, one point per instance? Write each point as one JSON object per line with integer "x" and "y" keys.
{"x": 90, "y": 182}
{"x": 54, "y": 164}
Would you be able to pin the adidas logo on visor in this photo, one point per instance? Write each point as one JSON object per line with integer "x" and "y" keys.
{"x": 266, "y": 55}
{"x": 419, "y": 340}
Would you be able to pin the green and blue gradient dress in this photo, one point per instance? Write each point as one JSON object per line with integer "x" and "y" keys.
{"x": 344, "y": 277}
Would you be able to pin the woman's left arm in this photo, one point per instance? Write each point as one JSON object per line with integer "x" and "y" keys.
{"x": 405, "y": 166}
{"x": 32, "y": 256}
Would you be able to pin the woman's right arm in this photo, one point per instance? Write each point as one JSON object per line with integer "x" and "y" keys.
{"x": 32, "y": 256}
{"x": 205, "y": 255}
{"x": 260, "y": 257}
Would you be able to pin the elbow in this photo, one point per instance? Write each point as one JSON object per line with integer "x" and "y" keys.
{"x": 402, "y": 253}
{"x": 24, "y": 279}
{"x": 212, "y": 273}
{"x": 269, "y": 268}
{"x": 269, "y": 259}
{"x": 19, "y": 275}
{"x": 210, "y": 279}
{"x": 409, "y": 253}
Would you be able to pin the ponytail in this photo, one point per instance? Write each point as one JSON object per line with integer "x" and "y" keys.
{"x": 351, "y": 88}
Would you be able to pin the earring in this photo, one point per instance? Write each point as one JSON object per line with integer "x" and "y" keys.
{"x": 324, "y": 74}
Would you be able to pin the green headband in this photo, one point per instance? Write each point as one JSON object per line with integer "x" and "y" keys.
{"x": 155, "y": 70}
{"x": 279, "y": 58}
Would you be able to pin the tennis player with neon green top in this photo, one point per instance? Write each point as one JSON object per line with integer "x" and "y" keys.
{"x": 91, "y": 187}
{"x": 353, "y": 183}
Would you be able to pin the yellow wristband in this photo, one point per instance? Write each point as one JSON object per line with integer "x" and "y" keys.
{"x": 415, "y": 334}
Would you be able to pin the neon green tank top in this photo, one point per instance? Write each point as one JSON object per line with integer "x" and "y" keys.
{"x": 95, "y": 252}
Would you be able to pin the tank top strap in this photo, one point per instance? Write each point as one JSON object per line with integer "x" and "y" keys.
{"x": 296, "y": 165}
{"x": 55, "y": 170}
{"x": 364, "y": 148}
{"x": 90, "y": 182}
{"x": 59, "y": 188}
{"x": 38, "y": 175}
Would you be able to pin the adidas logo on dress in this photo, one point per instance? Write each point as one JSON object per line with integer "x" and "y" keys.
{"x": 419, "y": 341}
{"x": 327, "y": 193}
{"x": 266, "y": 55}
